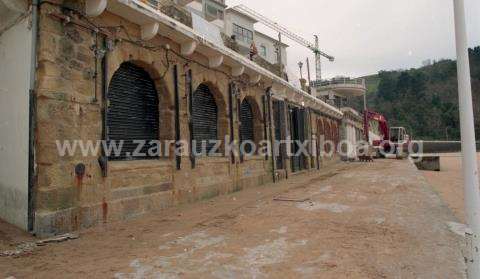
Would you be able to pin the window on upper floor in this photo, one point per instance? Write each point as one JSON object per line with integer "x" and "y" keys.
{"x": 263, "y": 51}
{"x": 213, "y": 10}
{"x": 242, "y": 34}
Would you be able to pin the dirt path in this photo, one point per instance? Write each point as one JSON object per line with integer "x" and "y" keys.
{"x": 376, "y": 220}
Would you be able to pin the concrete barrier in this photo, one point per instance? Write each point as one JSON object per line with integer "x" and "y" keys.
{"x": 427, "y": 162}
{"x": 439, "y": 146}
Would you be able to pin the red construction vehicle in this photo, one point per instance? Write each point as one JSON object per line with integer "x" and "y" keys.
{"x": 392, "y": 142}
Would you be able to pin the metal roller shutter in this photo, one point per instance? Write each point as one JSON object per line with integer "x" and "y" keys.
{"x": 132, "y": 111}
{"x": 279, "y": 122}
{"x": 320, "y": 134}
{"x": 246, "y": 124}
{"x": 327, "y": 136}
{"x": 204, "y": 118}
{"x": 298, "y": 119}
{"x": 294, "y": 135}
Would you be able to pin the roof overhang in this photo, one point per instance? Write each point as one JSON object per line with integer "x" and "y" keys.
{"x": 144, "y": 15}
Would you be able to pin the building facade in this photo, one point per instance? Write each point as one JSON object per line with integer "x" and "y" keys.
{"x": 268, "y": 48}
{"x": 353, "y": 132}
{"x": 112, "y": 70}
{"x": 212, "y": 10}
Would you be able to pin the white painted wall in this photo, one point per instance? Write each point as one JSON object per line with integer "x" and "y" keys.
{"x": 195, "y": 7}
{"x": 219, "y": 23}
{"x": 262, "y": 39}
{"x": 15, "y": 53}
{"x": 232, "y": 17}
{"x": 352, "y": 138}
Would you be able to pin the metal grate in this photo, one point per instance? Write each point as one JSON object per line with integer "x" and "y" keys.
{"x": 279, "y": 122}
{"x": 298, "y": 132}
{"x": 246, "y": 124}
{"x": 132, "y": 113}
{"x": 204, "y": 118}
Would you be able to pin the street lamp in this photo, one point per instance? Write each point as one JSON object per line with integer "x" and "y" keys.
{"x": 469, "y": 154}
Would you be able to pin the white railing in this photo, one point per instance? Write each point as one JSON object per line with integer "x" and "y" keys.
{"x": 339, "y": 81}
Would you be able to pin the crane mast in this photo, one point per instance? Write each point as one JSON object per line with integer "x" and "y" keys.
{"x": 287, "y": 33}
{"x": 318, "y": 60}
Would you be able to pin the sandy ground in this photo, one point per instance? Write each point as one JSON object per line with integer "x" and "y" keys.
{"x": 449, "y": 182}
{"x": 371, "y": 220}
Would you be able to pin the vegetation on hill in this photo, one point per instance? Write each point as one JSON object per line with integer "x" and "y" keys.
{"x": 424, "y": 100}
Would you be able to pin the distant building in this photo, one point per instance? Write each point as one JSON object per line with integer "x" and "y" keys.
{"x": 240, "y": 29}
{"x": 267, "y": 48}
{"x": 339, "y": 90}
{"x": 211, "y": 10}
{"x": 240, "y": 26}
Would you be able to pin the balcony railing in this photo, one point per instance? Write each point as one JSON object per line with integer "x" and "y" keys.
{"x": 339, "y": 81}
{"x": 179, "y": 13}
{"x": 170, "y": 8}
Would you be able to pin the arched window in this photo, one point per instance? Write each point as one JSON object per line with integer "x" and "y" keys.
{"x": 279, "y": 122}
{"x": 320, "y": 135}
{"x": 335, "y": 134}
{"x": 132, "y": 114}
{"x": 298, "y": 132}
{"x": 328, "y": 136}
{"x": 246, "y": 125}
{"x": 204, "y": 118}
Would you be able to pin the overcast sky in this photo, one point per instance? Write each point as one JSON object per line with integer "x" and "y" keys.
{"x": 366, "y": 36}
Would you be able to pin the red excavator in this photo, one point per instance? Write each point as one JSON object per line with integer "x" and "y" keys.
{"x": 390, "y": 142}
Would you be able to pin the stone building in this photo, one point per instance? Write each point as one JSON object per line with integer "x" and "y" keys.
{"x": 99, "y": 70}
{"x": 352, "y": 130}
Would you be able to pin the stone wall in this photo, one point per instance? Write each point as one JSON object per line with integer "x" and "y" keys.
{"x": 70, "y": 107}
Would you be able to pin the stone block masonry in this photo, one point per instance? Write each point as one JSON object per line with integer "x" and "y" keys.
{"x": 71, "y": 105}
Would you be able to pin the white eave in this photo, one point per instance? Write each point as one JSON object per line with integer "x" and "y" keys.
{"x": 143, "y": 15}
{"x": 352, "y": 112}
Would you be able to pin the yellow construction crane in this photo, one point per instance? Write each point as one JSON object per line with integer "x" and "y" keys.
{"x": 284, "y": 31}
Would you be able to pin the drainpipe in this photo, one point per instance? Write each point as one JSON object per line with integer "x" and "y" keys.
{"x": 311, "y": 137}
{"x": 231, "y": 92}
{"x": 239, "y": 113}
{"x": 103, "y": 160}
{"x": 178, "y": 158}
{"x": 265, "y": 129}
{"x": 189, "y": 96}
{"x": 32, "y": 118}
{"x": 268, "y": 102}
{"x": 469, "y": 160}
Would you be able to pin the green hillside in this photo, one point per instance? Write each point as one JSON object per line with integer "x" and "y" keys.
{"x": 372, "y": 82}
{"x": 423, "y": 100}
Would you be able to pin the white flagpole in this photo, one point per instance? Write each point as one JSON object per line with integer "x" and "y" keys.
{"x": 469, "y": 155}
